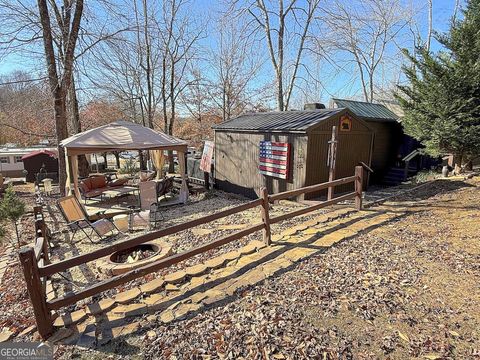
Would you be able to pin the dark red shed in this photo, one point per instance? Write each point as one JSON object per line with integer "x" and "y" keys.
{"x": 33, "y": 162}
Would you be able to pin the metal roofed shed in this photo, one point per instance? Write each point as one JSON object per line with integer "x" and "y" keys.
{"x": 367, "y": 111}
{"x": 388, "y": 134}
{"x": 297, "y": 143}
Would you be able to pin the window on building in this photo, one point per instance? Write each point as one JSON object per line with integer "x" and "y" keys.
{"x": 4, "y": 160}
{"x": 18, "y": 159}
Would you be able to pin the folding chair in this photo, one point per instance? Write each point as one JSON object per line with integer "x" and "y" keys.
{"x": 149, "y": 212}
{"x": 77, "y": 219}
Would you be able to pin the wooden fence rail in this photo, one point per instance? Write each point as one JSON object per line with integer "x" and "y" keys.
{"x": 37, "y": 267}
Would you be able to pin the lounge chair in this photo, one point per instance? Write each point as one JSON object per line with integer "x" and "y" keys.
{"x": 149, "y": 212}
{"x": 77, "y": 219}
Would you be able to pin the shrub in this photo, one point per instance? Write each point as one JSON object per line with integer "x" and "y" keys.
{"x": 11, "y": 209}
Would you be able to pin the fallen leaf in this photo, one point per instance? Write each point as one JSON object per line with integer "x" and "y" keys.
{"x": 432, "y": 356}
{"x": 403, "y": 337}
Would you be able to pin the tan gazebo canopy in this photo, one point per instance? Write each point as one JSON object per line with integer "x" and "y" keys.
{"x": 120, "y": 136}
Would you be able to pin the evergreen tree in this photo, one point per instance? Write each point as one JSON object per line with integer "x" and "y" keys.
{"x": 442, "y": 100}
{"x": 12, "y": 208}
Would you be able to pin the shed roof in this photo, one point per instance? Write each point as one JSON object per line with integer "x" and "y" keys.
{"x": 50, "y": 153}
{"x": 286, "y": 121}
{"x": 367, "y": 111}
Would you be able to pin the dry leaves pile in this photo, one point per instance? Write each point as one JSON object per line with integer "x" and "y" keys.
{"x": 384, "y": 294}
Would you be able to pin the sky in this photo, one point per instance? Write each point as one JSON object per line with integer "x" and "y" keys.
{"x": 334, "y": 83}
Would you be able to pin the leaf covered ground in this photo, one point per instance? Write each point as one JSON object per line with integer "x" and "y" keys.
{"x": 408, "y": 289}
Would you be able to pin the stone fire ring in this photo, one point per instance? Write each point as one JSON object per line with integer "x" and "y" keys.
{"x": 107, "y": 266}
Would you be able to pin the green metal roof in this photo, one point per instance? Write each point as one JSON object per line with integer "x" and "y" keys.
{"x": 289, "y": 121}
{"x": 367, "y": 111}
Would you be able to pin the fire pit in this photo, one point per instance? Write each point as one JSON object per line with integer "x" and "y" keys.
{"x": 135, "y": 254}
{"x": 125, "y": 260}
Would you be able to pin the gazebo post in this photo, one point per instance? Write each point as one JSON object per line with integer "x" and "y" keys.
{"x": 68, "y": 185}
{"x": 184, "y": 186}
{"x": 74, "y": 161}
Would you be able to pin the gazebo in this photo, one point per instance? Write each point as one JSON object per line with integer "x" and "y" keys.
{"x": 121, "y": 136}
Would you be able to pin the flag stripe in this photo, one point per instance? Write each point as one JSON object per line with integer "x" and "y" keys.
{"x": 281, "y": 176}
{"x": 273, "y": 169}
{"x": 273, "y": 161}
{"x": 276, "y": 166}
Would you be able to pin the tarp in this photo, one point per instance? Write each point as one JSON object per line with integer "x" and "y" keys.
{"x": 121, "y": 135}
{"x": 158, "y": 160}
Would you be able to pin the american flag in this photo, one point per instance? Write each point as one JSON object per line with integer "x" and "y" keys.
{"x": 274, "y": 159}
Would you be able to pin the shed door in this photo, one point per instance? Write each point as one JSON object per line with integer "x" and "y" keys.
{"x": 352, "y": 149}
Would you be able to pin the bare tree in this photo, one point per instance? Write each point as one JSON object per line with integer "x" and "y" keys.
{"x": 60, "y": 66}
{"x": 430, "y": 24}
{"x": 55, "y": 37}
{"x": 179, "y": 37}
{"x": 25, "y": 110}
{"x": 196, "y": 97}
{"x": 285, "y": 30}
{"x": 235, "y": 64}
{"x": 365, "y": 30}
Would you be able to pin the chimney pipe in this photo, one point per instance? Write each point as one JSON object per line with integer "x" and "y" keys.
{"x": 313, "y": 106}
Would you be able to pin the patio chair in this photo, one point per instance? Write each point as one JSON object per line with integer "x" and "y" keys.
{"x": 164, "y": 186}
{"x": 77, "y": 219}
{"x": 149, "y": 212}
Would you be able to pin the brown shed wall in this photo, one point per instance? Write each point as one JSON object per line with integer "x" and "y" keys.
{"x": 353, "y": 147}
{"x": 236, "y": 162}
{"x": 34, "y": 163}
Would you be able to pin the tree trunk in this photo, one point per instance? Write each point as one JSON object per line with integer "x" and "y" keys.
{"x": 18, "y": 236}
{"x": 280, "y": 104}
{"x": 457, "y": 160}
{"x": 76, "y": 127}
{"x": 105, "y": 161}
{"x": 62, "y": 133}
{"x": 117, "y": 158}
{"x": 59, "y": 84}
{"x": 141, "y": 159}
{"x": 171, "y": 164}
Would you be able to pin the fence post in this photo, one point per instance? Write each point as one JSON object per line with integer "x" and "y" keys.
{"x": 358, "y": 187}
{"x": 42, "y": 231}
{"x": 35, "y": 291}
{"x": 267, "y": 234}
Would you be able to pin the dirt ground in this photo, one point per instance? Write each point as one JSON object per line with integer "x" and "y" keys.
{"x": 406, "y": 290}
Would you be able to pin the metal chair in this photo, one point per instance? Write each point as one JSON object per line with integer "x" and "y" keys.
{"x": 77, "y": 219}
{"x": 149, "y": 212}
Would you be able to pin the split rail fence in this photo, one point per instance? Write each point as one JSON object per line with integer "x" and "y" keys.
{"x": 37, "y": 267}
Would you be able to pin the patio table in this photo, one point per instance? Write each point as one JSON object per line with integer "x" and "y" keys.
{"x": 121, "y": 191}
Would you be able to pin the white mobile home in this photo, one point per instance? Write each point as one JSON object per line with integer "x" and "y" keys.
{"x": 11, "y": 164}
